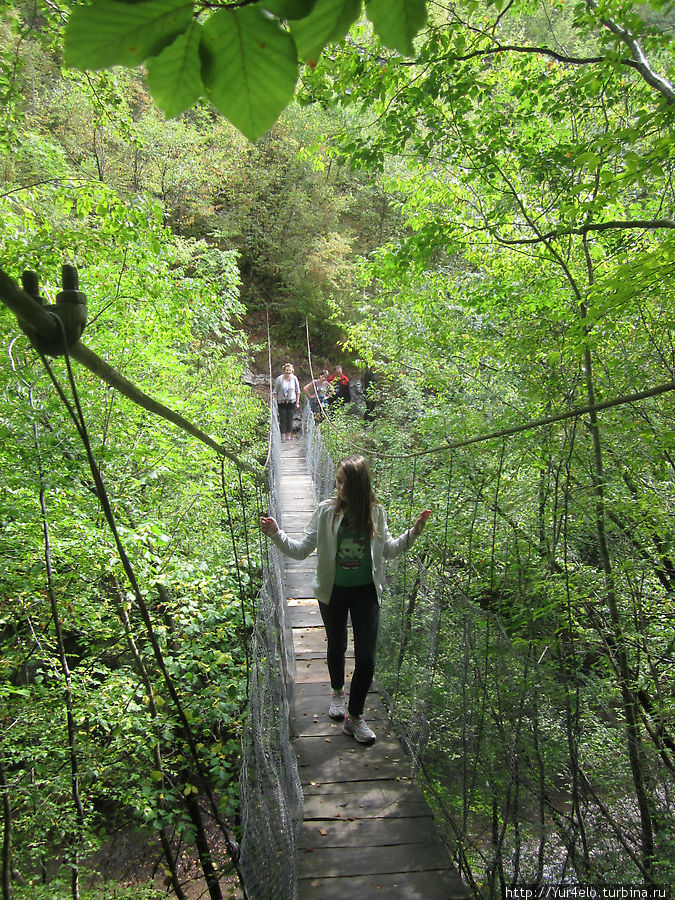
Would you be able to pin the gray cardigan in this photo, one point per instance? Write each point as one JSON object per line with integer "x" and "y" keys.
{"x": 322, "y": 534}
{"x": 293, "y": 389}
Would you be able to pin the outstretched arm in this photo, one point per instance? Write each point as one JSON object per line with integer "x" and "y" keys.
{"x": 297, "y": 549}
{"x": 395, "y": 546}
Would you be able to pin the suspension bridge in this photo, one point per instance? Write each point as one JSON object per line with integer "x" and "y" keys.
{"x": 366, "y": 825}
{"x": 488, "y": 720}
{"x": 343, "y": 816}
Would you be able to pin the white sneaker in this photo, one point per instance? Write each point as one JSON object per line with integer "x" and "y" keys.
{"x": 358, "y": 729}
{"x": 336, "y": 710}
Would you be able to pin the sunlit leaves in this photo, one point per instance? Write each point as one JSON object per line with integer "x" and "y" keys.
{"x": 250, "y": 70}
{"x": 109, "y": 33}
{"x": 397, "y": 21}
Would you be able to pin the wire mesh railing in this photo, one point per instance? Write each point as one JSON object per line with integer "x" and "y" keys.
{"x": 270, "y": 791}
{"x": 495, "y": 661}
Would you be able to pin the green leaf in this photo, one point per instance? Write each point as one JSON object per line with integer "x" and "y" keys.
{"x": 109, "y": 33}
{"x": 329, "y": 21}
{"x": 174, "y": 77}
{"x": 289, "y": 9}
{"x": 250, "y": 68}
{"x": 397, "y": 22}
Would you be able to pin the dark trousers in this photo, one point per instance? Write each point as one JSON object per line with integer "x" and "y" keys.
{"x": 361, "y": 604}
{"x": 286, "y": 413}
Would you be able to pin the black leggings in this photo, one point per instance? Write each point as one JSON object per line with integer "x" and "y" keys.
{"x": 286, "y": 413}
{"x": 361, "y": 603}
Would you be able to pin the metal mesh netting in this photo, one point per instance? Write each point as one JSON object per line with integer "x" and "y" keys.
{"x": 321, "y": 467}
{"x": 509, "y": 735}
{"x": 270, "y": 791}
{"x": 439, "y": 658}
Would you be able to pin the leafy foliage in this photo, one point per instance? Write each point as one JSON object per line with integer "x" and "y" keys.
{"x": 249, "y": 61}
{"x": 164, "y": 311}
{"x": 534, "y": 275}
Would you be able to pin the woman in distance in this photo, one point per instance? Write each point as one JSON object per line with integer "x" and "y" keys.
{"x": 287, "y": 393}
{"x": 318, "y": 392}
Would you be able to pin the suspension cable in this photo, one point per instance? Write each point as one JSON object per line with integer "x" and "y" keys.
{"x": 42, "y": 319}
{"x": 78, "y": 419}
{"x": 530, "y": 424}
{"x": 237, "y": 566}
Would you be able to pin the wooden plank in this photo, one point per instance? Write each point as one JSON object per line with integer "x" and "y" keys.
{"x": 309, "y": 717}
{"x": 379, "y": 860}
{"x": 315, "y": 650}
{"x": 316, "y": 670}
{"x": 296, "y": 521}
{"x": 309, "y": 641}
{"x": 371, "y": 832}
{"x": 301, "y": 567}
{"x": 339, "y": 757}
{"x": 311, "y": 724}
{"x": 316, "y": 704}
{"x": 398, "y": 886}
{"x": 314, "y": 691}
{"x": 301, "y": 584}
{"x": 301, "y": 510}
{"x": 383, "y": 799}
{"x": 303, "y": 616}
{"x": 301, "y": 603}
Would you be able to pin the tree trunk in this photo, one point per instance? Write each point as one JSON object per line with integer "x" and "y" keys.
{"x": 202, "y": 844}
{"x": 617, "y": 638}
{"x": 6, "y": 836}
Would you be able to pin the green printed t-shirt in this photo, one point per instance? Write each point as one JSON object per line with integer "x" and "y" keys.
{"x": 353, "y": 563}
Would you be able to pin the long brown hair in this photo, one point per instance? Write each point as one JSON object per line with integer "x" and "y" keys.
{"x": 359, "y": 497}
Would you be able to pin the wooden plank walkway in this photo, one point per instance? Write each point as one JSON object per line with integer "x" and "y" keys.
{"x": 367, "y": 831}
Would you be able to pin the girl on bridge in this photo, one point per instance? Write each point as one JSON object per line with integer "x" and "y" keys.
{"x": 350, "y": 534}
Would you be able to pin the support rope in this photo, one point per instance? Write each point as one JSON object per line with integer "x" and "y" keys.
{"x": 78, "y": 419}
{"x": 530, "y": 424}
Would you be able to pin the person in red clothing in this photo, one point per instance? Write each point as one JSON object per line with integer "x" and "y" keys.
{"x": 340, "y": 383}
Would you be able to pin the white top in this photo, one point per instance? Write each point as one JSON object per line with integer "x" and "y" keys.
{"x": 322, "y": 534}
{"x": 287, "y": 390}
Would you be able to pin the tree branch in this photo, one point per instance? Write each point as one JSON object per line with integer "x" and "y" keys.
{"x": 628, "y": 224}
{"x": 639, "y": 60}
{"x": 570, "y": 414}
